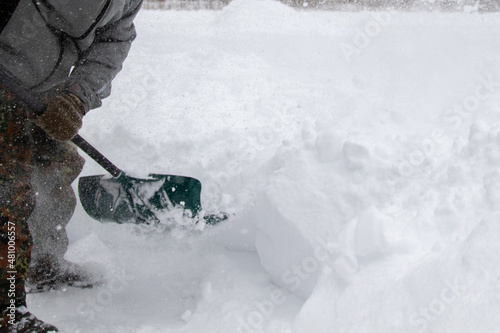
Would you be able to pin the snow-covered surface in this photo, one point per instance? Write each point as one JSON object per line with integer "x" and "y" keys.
{"x": 358, "y": 153}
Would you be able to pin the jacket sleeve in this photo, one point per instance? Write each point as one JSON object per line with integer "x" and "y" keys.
{"x": 98, "y": 65}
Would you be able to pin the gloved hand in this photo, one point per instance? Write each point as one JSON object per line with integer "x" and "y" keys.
{"x": 62, "y": 118}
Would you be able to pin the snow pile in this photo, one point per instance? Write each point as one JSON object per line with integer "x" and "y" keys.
{"x": 424, "y": 263}
{"x": 242, "y": 16}
{"x": 357, "y": 152}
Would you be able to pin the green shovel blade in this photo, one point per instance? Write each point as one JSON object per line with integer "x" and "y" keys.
{"x": 126, "y": 199}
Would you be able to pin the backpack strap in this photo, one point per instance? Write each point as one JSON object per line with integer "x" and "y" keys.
{"x": 6, "y": 10}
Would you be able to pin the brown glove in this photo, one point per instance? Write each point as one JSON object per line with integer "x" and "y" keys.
{"x": 62, "y": 118}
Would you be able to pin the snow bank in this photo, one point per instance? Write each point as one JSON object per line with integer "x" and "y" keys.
{"x": 371, "y": 243}
{"x": 443, "y": 283}
{"x": 258, "y": 16}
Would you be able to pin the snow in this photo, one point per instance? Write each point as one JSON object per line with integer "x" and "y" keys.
{"x": 358, "y": 155}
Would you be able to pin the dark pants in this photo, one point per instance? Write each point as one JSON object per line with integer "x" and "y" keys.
{"x": 33, "y": 169}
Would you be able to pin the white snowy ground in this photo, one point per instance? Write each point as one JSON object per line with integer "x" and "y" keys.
{"x": 359, "y": 154}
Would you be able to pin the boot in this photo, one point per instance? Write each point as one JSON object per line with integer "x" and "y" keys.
{"x": 20, "y": 320}
{"x": 52, "y": 274}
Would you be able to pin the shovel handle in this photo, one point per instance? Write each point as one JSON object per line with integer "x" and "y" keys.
{"x": 38, "y": 107}
{"x": 96, "y": 155}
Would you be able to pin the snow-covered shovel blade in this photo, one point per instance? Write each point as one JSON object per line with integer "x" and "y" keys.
{"x": 125, "y": 199}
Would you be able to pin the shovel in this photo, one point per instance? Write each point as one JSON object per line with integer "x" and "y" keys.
{"x": 124, "y": 199}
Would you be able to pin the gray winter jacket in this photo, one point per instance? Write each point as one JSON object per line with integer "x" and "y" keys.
{"x": 79, "y": 45}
